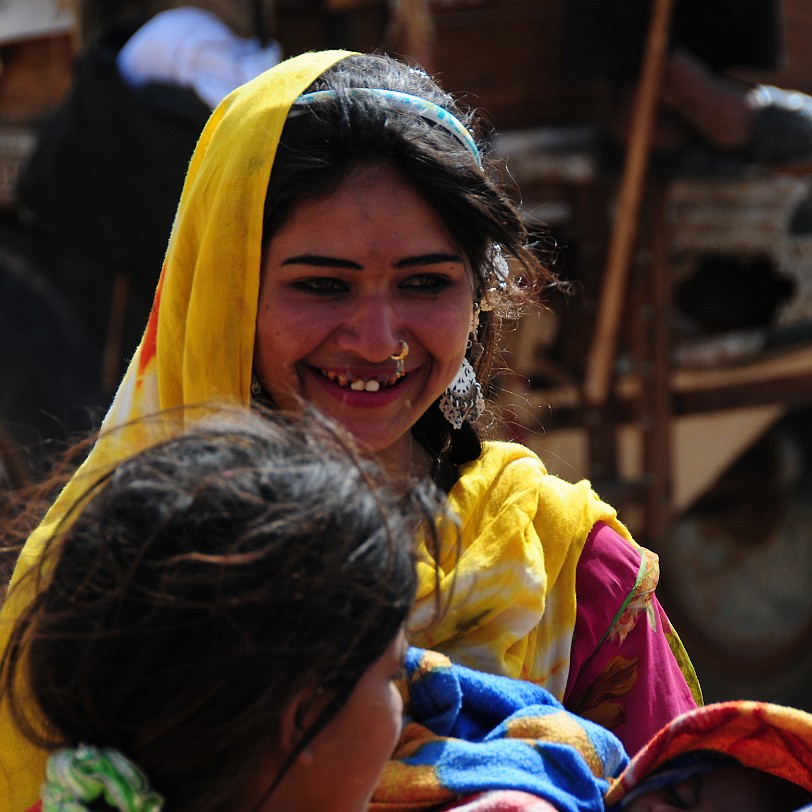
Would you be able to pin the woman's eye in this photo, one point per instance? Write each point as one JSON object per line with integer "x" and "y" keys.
{"x": 429, "y": 282}
{"x": 320, "y": 284}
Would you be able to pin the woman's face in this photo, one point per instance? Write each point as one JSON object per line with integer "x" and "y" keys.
{"x": 344, "y": 281}
{"x": 728, "y": 789}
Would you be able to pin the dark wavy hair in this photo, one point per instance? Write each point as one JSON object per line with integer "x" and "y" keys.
{"x": 201, "y": 584}
{"x": 324, "y": 140}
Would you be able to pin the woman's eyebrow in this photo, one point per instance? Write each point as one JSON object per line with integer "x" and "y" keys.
{"x": 322, "y": 262}
{"x": 428, "y": 259}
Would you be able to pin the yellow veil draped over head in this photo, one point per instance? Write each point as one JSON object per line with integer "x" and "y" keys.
{"x": 199, "y": 341}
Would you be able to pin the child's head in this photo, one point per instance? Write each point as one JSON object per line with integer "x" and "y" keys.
{"x": 720, "y": 788}
{"x": 737, "y": 756}
{"x": 227, "y": 608}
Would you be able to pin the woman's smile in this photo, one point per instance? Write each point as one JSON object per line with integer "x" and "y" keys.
{"x": 345, "y": 281}
{"x": 346, "y": 380}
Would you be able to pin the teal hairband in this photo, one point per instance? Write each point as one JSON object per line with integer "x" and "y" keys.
{"x": 413, "y": 104}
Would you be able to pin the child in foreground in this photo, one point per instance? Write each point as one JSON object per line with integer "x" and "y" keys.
{"x": 221, "y": 626}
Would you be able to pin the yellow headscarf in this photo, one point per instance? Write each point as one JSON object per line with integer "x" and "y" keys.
{"x": 199, "y": 340}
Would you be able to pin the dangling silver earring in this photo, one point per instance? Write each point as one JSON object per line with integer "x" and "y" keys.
{"x": 256, "y": 387}
{"x": 463, "y": 399}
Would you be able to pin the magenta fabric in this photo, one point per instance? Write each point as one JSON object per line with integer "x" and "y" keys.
{"x": 623, "y": 673}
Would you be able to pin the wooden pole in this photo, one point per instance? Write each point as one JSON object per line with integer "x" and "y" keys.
{"x": 602, "y": 350}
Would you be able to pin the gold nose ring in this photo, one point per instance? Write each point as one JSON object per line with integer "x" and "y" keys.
{"x": 400, "y": 358}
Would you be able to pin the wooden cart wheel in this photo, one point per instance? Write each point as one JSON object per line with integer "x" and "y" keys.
{"x": 737, "y": 570}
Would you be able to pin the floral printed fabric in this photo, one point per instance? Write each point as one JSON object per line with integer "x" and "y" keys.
{"x": 547, "y": 585}
{"x": 508, "y": 576}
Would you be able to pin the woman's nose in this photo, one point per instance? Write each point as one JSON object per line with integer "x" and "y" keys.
{"x": 372, "y": 331}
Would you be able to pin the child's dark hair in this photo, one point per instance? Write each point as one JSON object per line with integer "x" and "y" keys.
{"x": 201, "y": 584}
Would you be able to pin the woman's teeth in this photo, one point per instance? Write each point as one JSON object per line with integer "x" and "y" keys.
{"x": 359, "y": 384}
{"x": 365, "y": 386}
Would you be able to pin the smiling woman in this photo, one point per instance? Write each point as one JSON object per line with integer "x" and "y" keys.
{"x": 336, "y": 301}
{"x": 343, "y": 239}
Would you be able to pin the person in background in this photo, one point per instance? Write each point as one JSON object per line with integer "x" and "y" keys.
{"x": 708, "y": 123}
{"x": 95, "y": 201}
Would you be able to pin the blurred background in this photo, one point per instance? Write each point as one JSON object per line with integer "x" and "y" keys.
{"x": 676, "y": 374}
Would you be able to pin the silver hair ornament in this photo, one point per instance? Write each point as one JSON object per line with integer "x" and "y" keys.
{"x": 500, "y": 266}
{"x": 498, "y": 272}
